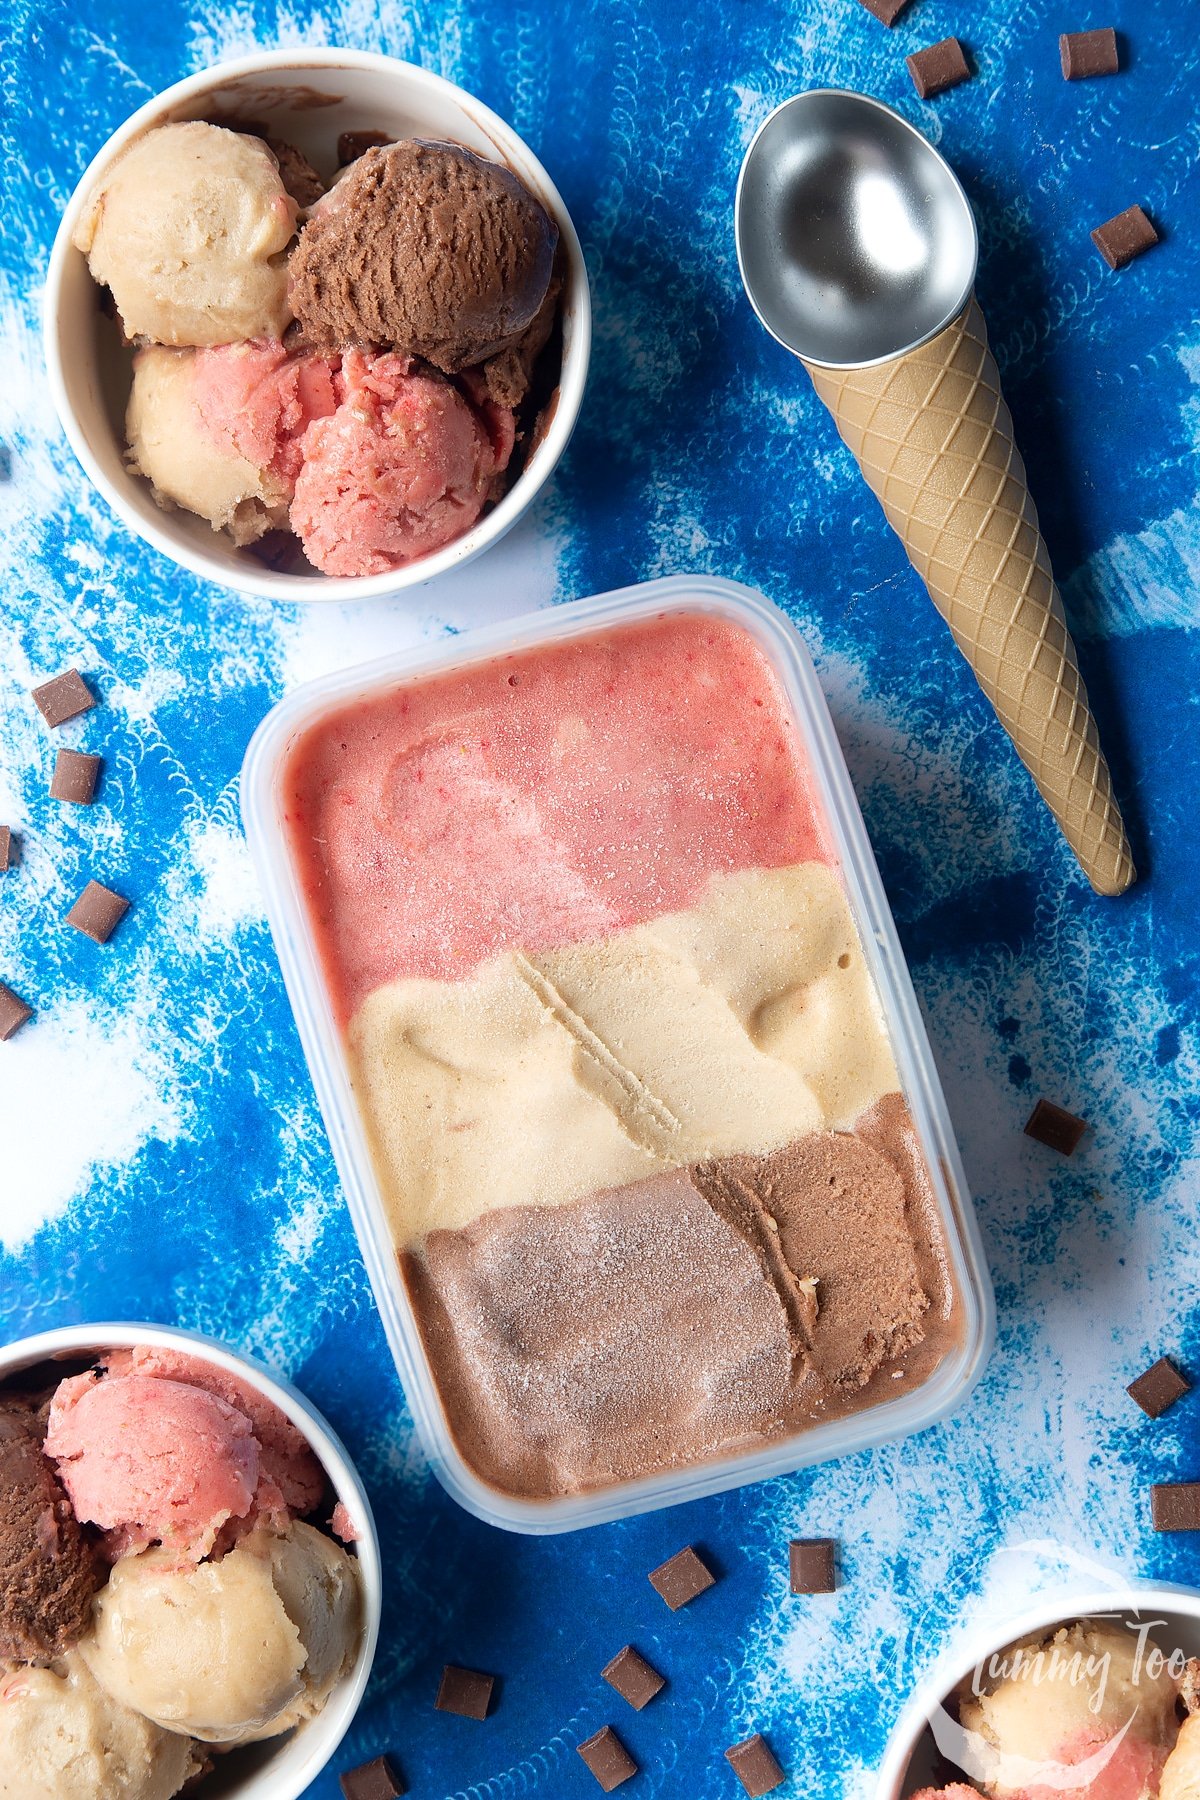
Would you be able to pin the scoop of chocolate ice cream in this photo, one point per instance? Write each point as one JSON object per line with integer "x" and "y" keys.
{"x": 427, "y": 249}
{"x": 48, "y": 1572}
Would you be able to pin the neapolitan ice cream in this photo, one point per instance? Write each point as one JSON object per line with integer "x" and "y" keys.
{"x": 1090, "y": 1708}
{"x": 161, "y": 1584}
{"x": 379, "y": 426}
{"x": 635, "y": 1119}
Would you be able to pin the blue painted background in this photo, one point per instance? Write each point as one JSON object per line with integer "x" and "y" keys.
{"x": 160, "y": 1151}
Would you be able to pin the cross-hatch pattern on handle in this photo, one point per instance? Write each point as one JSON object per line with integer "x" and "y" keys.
{"x": 934, "y": 439}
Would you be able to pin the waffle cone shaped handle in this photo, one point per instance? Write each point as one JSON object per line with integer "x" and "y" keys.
{"x": 934, "y": 440}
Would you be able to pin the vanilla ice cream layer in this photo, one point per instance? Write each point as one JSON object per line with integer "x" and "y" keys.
{"x": 188, "y": 228}
{"x": 184, "y": 464}
{"x": 736, "y": 1026}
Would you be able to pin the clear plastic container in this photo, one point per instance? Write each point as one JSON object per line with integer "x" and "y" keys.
{"x": 911, "y": 1411}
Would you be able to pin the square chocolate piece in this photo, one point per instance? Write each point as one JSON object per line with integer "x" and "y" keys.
{"x": 64, "y": 698}
{"x": 681, "y": 1579}
{"x": 1088, "y": 53}
{"x": 75, "y": 777}
{"x": 939, "y": 67}
{"x": 886, "y": 11}
{"x": 97, "y": 912}
{"x": 465, "y": 1692}
{"x": 633, "y": 1677}
{"x": 8, "y": 848}
{"x": 13, "y": 1012}
{"x": 814, "y": 1565}
{"x": 608, "y": 1759}
{"x": 375, "y": 1780}
{"x": 755, "y": 1767}
{"x": 1055, "y": 1127}
{"x": 1119, "y": 240}
{"x": 1175, "y": 1506}
{"x": 1160, "y": 1387}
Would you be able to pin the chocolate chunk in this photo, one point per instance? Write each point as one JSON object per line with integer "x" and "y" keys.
{"x": 13, "y": 1012}
{"x": 375, "y": 1780}
{"x": 8, "y": 848}
{"x": 939, "y": 67}
{"x": 755, "y": 1766}
{"x": 1160, "y": 1387}
{"x": 1175, "y": 1506}
{"x": 64, "y": 698}
{"x": 352, "y": 144}
{"x": 681, "y": 1579}
{"x": 75, "y": 777}
{"x": 1119, "y": 240}
{"x": 814, "y": 1565}
{"x": 1087, "y": 53}
{"x": 886, "y": 11}
{"x": 608, "y": 1759}
{"x": 97, "y": 912}
{"x": 1055, "y": 1127}
{"x": 633, "y": 1678}
{"x": 465, "y": 1692}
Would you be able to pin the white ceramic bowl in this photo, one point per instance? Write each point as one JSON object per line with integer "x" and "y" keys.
{"x": 1172, "y": 1613}
{"x": 307, "y": 97}
{"x": 283, "y": 1768}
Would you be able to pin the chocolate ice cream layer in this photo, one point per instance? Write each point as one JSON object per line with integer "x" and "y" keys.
{"x": 48, "y": 1572}
{"x": 689, "y": 1316}
{"x": 426, "y": 249}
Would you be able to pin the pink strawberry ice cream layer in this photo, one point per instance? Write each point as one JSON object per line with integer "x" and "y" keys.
{"x": 402, "y": 468}
{"x": 1129, "y": 1770}
{"x": 955, "y": 1792}
{"x": 152, "y": 1461}
{"x": 256, "y": 400}
{"x": 541, "y": 799}
{"x": 285, "y": 1456}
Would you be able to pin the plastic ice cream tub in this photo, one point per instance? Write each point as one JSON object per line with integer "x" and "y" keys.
{"x": 307, "y": 96}
{"x": 700, "y": 795}
{"x": 926, "y": 1741}
{"x": 280, "y": 1768}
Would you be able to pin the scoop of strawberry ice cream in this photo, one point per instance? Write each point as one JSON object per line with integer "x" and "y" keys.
{"x": 1089, "y": 1709}
{"x": 402, "y": 468}
{"x": 257, "y": 400}
{"x": 956, "y": 1791}
{"x": 285, "y": 1456}
{"x": 152, "y": 1461}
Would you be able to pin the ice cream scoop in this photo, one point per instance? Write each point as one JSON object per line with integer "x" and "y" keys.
{"x": 1181, "y": 1772}
{"x": 188, "y": 227}
{"x": 1089, "y": 1709}
{"x": 401, "y": 468}
{"x": 48, "y": 1572}
{"x": 858, "y": 251}
{"x": 234, "y": 1650}
{"x": 189, "y": 466}
{"x": 62, "y": 1737}
{"x": 153, "y": 1461}
{"x": 427, "y": 249}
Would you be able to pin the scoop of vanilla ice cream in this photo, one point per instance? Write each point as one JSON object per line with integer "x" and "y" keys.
{"x": 188, "y": 228}
{"x": 63, "y": 1737}
{"x": 1090, "y": 1693}
{"x": 234, "y": 1650}
{"x": 184, "y": 463}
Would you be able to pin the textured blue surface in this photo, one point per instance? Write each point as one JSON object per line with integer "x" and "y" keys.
{"x": 160, "y": 1150}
